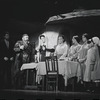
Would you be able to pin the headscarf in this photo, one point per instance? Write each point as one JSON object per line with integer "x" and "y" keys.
{"x": 96, "y": 40}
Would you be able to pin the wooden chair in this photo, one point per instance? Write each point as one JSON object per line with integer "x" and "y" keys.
{"x": 51, "y": 63}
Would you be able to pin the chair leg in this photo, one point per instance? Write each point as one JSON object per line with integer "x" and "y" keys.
{"x": 47, "y": 84}
{"x": 56, "y": 88}
{"x": 73, "y": 84}
{"x": 27, "y": 77}
{"x": 42, "y": 83}
{"x": 57, "y": 84}
{"x": 73, "y": 87}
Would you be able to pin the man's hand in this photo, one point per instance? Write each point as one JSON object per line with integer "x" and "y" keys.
{"x": 81, "y": 60}
{"x": 43, "y": 48}
{"x": 11, "y": 59}
{"x": 22, "y": 47}
{"x": 6, "y": 58}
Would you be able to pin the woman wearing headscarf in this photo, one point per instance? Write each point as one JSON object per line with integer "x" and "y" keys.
{"x": 96, "y": 41}
{"x": 92, "y": 64}
{"x": 74, "y": 49}
{"x": 42, "y": 47}
{"x": 96, "y": 73}
{"x": 43, "y": 50}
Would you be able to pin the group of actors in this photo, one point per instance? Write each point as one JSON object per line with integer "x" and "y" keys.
{"x": 12, "y": 56}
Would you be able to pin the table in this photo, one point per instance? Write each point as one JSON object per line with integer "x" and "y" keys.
{"x": 28, "y": 67}
{"x": 67, "y": 69}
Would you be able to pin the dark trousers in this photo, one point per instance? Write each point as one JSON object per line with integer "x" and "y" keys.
{"x": 5, "y": 74}
{"x": 19, "y": 80}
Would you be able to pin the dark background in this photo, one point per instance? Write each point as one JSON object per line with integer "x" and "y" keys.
{"x": 29, "y": 16}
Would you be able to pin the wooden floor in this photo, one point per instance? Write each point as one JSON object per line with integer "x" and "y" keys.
{"x": 11, "y": 94}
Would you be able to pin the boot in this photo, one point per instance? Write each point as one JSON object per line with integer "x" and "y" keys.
{"x": 92, "y": 86}
{"x": 87, "y": 86}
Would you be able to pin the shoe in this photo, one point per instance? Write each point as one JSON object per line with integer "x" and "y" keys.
{"x": 88, "y": 90}
{"x": 81, "y": 82}
{"x": 92, "y": 91}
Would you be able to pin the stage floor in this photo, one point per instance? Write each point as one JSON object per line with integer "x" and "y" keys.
{"x": 11, "y": 94}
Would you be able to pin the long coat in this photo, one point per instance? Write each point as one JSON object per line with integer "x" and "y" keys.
{"x": 96, "y": 72}
{"x": 92, "y": 64}
{"x": 6, "y": 66}
{"x": 82, "y": 55}
{"x": 22, "y": 56}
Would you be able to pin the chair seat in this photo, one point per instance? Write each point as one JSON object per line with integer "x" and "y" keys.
{"x": 52, "y": 73}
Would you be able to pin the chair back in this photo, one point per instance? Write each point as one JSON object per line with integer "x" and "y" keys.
{"x": 51, "y": 63}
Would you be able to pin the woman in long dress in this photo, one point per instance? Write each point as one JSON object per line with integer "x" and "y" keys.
{"x": 74, "y": 49}
{"x": 96, "y": 73}
{"x": 82, "y": 55}
{"x": 42, "y": 47}
{"x": 96, "y": 41}
{"x": 92, "y": 62}
{"x": 61, "y": 49}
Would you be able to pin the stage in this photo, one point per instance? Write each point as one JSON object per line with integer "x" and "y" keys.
{"x": 11, "y": 94}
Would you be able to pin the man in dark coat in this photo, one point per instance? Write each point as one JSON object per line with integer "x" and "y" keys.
{"x": 24, "y": 54}
{"x": 6, "y": 59}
